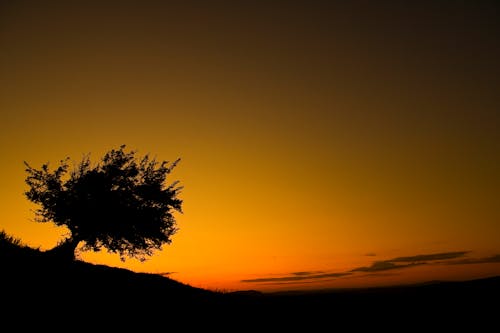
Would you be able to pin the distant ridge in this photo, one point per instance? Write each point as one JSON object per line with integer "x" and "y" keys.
{"x": 492, "y": 281}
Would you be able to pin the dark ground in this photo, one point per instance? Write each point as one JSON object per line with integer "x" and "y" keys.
{"x": 43, "y": 292}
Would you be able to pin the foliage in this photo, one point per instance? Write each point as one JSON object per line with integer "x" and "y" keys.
{"x": 7, "y": 240}
{"x": 121, "y": 203}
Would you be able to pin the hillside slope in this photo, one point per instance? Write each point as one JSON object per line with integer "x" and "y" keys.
{"x": 46, "y": 290}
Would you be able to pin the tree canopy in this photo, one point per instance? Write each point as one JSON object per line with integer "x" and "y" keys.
{"x": 121, "y": 203}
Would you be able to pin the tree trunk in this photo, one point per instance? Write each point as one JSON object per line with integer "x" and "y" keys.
{"x": 65, "y": 250}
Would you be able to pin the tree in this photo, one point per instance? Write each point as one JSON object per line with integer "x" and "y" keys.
{"x": 121, "y": 203}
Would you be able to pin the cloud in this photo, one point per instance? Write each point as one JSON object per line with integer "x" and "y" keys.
{"x": 405, "y": 262}
{"x": 378, "y": 266}
{"x": 371, "y": 254}
{"x": 297, "y": 277}
{"x": 430, "y": 257}
{"x": 378, "y": 274}
{"x": 485, "y": 260}
{"x": 305, "y": 273}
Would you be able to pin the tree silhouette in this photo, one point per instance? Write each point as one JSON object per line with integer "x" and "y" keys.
{"x": 121, "y": 203}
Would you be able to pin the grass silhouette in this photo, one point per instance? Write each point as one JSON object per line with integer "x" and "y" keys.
{"x": 39, "y": 285}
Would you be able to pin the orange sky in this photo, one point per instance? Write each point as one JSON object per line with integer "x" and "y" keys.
{"x": 315, "y": 139}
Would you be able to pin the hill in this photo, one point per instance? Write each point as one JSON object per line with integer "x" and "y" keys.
{"x": 29, "y": 272}
{"x": 38, "y": 285}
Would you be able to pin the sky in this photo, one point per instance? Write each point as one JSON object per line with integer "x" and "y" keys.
{"x": 322, "y": 144}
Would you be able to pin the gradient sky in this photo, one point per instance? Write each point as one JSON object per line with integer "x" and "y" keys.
{"x": 321, "y": 145}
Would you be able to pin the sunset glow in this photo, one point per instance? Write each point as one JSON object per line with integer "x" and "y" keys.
{"x": 321, "y": 145}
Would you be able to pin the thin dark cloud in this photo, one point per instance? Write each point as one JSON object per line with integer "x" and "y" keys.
{"x": 371, "y": 254}
{"x": 431, "y": 257}
{"x": 306, "y": 273}
{"x": 378, "y": 266}
{"x": 295, "y": 277}
{"x": 300, "y": 283}
{"x": 378, "y": 274}
{"x": 406, "y": 262}
{"x": 486, "y": 260}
